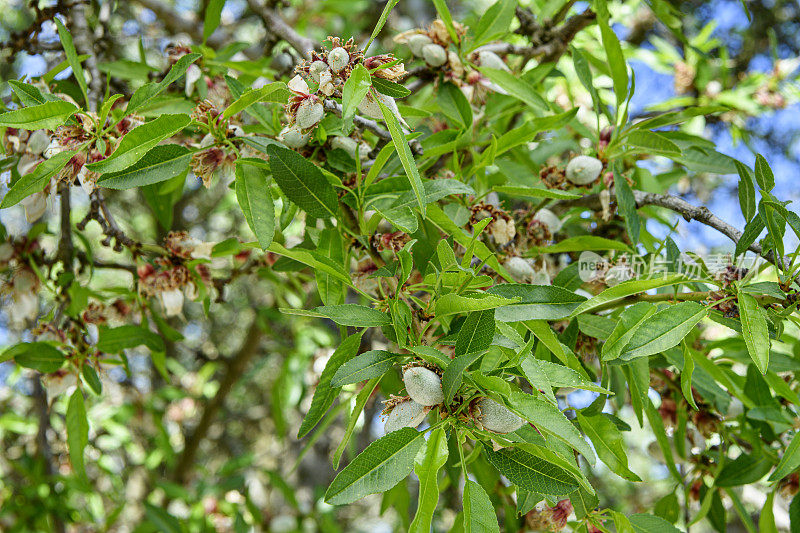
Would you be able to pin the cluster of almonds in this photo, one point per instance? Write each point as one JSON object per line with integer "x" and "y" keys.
{"x": 328, "y": 71}
{"x": 424, "y": 389}
{"x": 432, "y": 46}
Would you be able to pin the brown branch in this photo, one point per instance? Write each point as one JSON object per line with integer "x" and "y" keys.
{"x": 275, "y": 25}
{"x": 235, "y": 366}
{"x": 688, "y": 211}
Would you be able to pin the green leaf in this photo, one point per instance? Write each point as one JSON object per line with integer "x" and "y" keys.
{"x": 404, "y": 153}
{"x": 389, "y": 88}
{"x": 627, "y": 288}
{"x": 48, "y": 116}
{"x": 534, "y": 192}
{"x": 479, "y": 514}
{"x": 161, "y": 519}
{"x": 629, "y": 322}
{"x": 114, "y": 340}
{"x": 381, "y": 21}
{"x": 162, "y": 163}
{"x": 354, "y": 91}
{"x": 747, "y": 192}
{"x": 764, "y": 176}
{"x": 616, "y": 62}
{"x": 663, "y": 330}
{"x": 271, "y": 92}
{"x": 686, "y": 377}
{"x": 77, "y": 431}
{"x": 652, "y": 141}
{"x": 608, "y": 443}
{"x": 452, "y": 303}
{"x": 582, "y": 243}
{"x": 378, "y": 468}
{"x": 361, "y": 400}
{"x": 140, "y": 140}
{"x": 548, "y": 418}
{"x": 455, "y": 105}
{"x": 476, "y": 333}
{"x": 627, "y": 206}
{"x": 530, "y": 472}
{"x": 427, "y": 469}
{"x": 91, "y": 378}
{"x": 558, "y": 375}
{"x": 30, "y": 95}
{"x": 146, "y": 93}
{"x": 325, "y": 393}
{"x": 515, "y": 87}
{"x": 354, "y": 315}
{"x": 37, "y": 180}
{"x": 494, "y": 22}
{"x": 212, "y": 17}
{"x": 647, "y": 523}
{"x": 302, "y": 182}
{"x": 371, "y": 364}
{"x": 744, "y": 470}
{"x": 454, "y": 374}
{"x": 40, "y": 356}
{"x": 72, "y": 56}
{"x": 537, "y": 302}
{"x": 754, "y": 330}
{"x": 255, "y": 199}
{"x": 751, "y": 232}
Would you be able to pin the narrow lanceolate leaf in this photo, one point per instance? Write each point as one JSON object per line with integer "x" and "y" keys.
{"x": 764, "y": 176}
{"x": 40, "y": 356}
{"x": 354, "y": 315}
{"x": 479, "y": 516}
{"x": 664, "y": 330}
{"x": 37, "y": 180}
{"x": 114, "y": 340}
{"x": 454, "y": 374}
{"x": 302, "y": 182}
{"x": 547, "y": 418}
{"x": 427, "y": 470}
{"x": 616, "y": 62}
{"x": 378, "y": 468}
{"x": 609, "y": 444}
{"x": 77, "y": 431}
{"x": 371, "y": 364}
{"x": 140, "y": 140}
{"x": 516, "y": 87}
{"x": 790, "y": 460}
{"x": 557, "y": 375}
{"x": 48, "y": 116}
{"x": 751, "y": 232}
{"x": 404, "y": 153}
{"x": 629, "y": 322}
{"x": 747, "y": 192}
{"x": 453, "y": 303}
{"x": 625, "y": 289}
{"x": 149, "y": 91}
{"x": 255, "y": 199}
{"x": 72, "y": 56}
{"x": 271, "y": 92}
{"x": 389, "y": 88}
{"x": 686, "y": 377}
{"x": 536, "y": 302}
{"x": 754, "y": 330}
{"x": 627, "y": 206}
{"x": 532, "y": 473}
{"x": 476, "y": 333}
{"x": 162, "y": 163}
{"x": 354, "y": 91}
{"x": 325, "y": 393}
{"x": 212, "y": 17}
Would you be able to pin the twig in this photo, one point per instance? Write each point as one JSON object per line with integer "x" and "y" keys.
{"x": 42, "y": 444}
{"x": 277, "y": 26}
{"x": 689, "y": 212}
{"x": 85, "y": 44}
{"x": 234, "y": 369}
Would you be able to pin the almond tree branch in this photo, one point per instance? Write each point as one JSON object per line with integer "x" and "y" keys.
{"x": 371, "y": 125}
{"x": 688, "y": 211}
{"x": 234, "y": 368}
{"x": 277, "y": 26}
